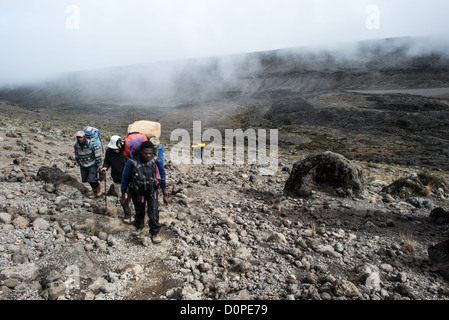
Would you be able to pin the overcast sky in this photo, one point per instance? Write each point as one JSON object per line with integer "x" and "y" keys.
{"x": 40, "y": 38}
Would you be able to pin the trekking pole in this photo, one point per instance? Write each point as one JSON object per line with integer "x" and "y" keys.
{"x": 105, "y": 193}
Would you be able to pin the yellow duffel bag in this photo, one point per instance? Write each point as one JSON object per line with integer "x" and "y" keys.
{"x": 148, "y": 128}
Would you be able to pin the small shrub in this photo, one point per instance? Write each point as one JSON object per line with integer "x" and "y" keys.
{"x": 45, "y": 127}
{"x": 409, "y": 243}
{"x": 93, "y": 231}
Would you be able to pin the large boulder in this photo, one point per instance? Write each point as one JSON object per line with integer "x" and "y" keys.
{"x": 326, "y": 171}
{"x": 63, "y": 182}
{"x": 439, "y": 215}
{"x": 439, "y": 257}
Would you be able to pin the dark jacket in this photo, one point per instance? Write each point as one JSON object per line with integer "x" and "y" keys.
{"x": 126, "y": 176}
{"x": 116, "y": 161}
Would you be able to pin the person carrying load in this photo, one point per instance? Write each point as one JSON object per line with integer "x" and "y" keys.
{"x": 143, "y": 176}
{"x": 88, "y": 157}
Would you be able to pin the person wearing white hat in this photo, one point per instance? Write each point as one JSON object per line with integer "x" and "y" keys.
{"x": 115, "y": 159}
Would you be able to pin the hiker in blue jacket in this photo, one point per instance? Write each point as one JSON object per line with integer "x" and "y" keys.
{"x": 145, "y": 155}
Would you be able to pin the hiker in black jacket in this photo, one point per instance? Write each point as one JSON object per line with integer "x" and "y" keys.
{"x": 143, "y": 177}
{"x": 115, "y": 159}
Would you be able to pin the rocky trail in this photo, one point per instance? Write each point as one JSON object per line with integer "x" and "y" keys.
{"x": 229, "y": 232}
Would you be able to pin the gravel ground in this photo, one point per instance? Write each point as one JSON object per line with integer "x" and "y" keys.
{"x": 228, "y": 233}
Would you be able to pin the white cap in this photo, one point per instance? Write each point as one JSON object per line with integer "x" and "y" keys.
{"x": 113, "y": 143}
{"x": 80, "y": 134}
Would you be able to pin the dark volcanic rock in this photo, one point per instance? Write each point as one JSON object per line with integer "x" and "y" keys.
{"x": 326, "y": 171}
{"x": 439, "y": 215}
{"x": 59, "y": 178}
{"x": 415, "y": 185}
{"x": 439, "y": 257}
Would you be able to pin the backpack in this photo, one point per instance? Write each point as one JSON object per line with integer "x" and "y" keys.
{"x": 160, "y": 153}
{"x": 93, "y": 135}
{"x": 145, "y": 178}
{"x": 132, "y": 144}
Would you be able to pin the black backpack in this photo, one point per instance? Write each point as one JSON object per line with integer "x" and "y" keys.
{"x": 143, "y": 177}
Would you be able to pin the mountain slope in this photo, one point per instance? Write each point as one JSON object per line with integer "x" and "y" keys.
{"x": 263, "y": 76}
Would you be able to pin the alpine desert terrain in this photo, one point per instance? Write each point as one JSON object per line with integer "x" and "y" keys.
{"x": 356, "y": 208}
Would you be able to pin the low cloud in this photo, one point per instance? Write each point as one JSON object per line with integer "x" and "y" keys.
{"x": 44, "y": 38}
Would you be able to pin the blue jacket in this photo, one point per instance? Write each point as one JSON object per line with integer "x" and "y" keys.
{"x": 126, "y": 176}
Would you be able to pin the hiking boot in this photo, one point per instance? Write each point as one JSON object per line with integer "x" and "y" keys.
{"x": 137, "y": 232}
{"x": 98, "y": 191}
{"x": 126, "y": 211}
{"x": 127, "y": 220}
{"x": 93, "y": 194}
{"x": 156, "y": 239}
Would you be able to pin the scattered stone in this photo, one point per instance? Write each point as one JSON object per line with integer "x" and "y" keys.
{"x": 108, "y": 288}
{"x": 97, "y": 284}
{"x": 277, "y": 237}
{"x": 135, "y": 269}
{"x": 56, "y": 291}
{"x": 5, "y": 217}
{"x": 41, "y": 224}
{"x": 345, "y": 288}
{"x": 22, "y": 272}
{"x": 20, "y": 222}
{"x": 11, "y": 283}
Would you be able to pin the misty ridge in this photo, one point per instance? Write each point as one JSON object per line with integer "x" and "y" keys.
{"x": 375, "y": 64}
